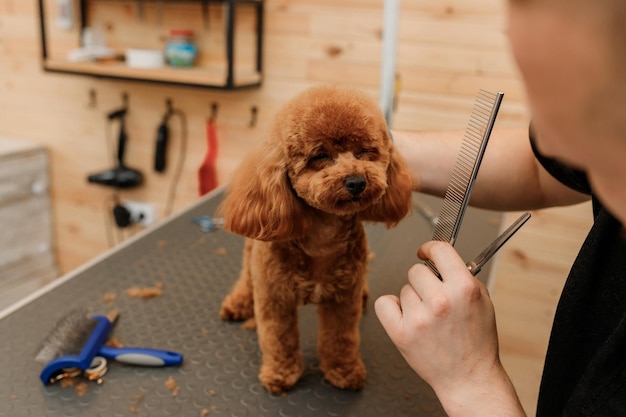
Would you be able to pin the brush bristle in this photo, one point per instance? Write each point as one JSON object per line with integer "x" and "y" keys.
{"x": 466, "y": 166}
{"x": 67, "y": 337}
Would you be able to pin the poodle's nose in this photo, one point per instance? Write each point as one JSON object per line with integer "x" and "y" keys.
{"x": 355, "y": 184}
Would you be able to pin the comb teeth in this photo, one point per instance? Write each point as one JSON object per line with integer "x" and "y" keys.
{"x": 466, "y": 167}
{"x": 68, "y": 336}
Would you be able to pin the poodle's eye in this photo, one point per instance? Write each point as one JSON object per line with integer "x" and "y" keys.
{"x": 366, "y": 154}
{"x": 318, "y": 161}
{"x": 319, "y": 157}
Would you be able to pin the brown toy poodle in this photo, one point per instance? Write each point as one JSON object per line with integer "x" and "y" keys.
{"x": 326, "y": 165}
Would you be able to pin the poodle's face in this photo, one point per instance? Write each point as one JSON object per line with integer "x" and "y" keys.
{"x": 339, "y": 175}
{"x": 327, "y": 149}
{"x": 337, "y": 154}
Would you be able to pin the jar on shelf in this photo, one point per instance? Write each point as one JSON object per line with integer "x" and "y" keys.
{"x": 180, "y": 49}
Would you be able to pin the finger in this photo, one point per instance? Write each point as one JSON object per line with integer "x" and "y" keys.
{"x": 447, "y": 260}
{"x": 389, "y": 312}
{"x": 423, "y": 280}
{"x": 409, "y": 298}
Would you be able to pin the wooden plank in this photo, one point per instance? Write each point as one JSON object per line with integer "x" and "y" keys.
{"x": 27, "y": 229}
{"x": 26, "y": 243}
{"x": 25, "y": 276}
{"x": 477, "y": 9}
{"x": 22, "y": 177}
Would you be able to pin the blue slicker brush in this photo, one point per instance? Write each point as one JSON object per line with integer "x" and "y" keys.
{"x": 79, "y": 337}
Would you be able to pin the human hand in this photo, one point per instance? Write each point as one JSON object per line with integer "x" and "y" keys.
{"x": 446, "y": 330}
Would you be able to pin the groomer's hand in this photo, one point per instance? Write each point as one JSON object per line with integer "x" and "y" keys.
{"x": 446, "y": 331}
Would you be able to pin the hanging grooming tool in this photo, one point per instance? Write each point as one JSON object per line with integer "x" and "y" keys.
{"x": 78, "y": 339}
{"x": 160, "y": 153}
{"x": 207, "y": 173}
{"x": 121, "y": 176}
{"x": 466, "y": 168}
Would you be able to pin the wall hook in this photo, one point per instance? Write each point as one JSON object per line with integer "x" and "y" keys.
{"x": 169, "y": 106}
{"x": 253, "y": 115}
{"x": 92, "y": 102}
{"x": 214, "y": 107}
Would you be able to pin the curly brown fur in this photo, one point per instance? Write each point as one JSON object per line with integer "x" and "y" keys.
{"x": 326, "y": 165}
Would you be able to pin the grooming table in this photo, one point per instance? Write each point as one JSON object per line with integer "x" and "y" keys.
{"x": 219, "y": 375}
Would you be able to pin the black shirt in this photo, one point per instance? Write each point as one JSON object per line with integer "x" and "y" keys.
{"x": 585, "y": 368}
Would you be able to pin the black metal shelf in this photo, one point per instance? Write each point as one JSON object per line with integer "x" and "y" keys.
{"x": 197, "y": 77}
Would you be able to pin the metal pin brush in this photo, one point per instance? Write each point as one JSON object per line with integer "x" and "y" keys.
{"x": 78, "y": 338}
{"x": 72, "y": 345}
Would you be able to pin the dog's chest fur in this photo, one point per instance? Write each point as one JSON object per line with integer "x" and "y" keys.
{"x": 329, "y": 264}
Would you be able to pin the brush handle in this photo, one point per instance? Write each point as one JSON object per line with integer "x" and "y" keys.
{"x": 141, "y": 356}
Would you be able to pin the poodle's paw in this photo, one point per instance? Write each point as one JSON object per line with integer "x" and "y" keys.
{"x": 236, "y": 308}
{"x": 350, "y": 376}
{"x": 249, "y": 324}
{"x": 278, "y": 381}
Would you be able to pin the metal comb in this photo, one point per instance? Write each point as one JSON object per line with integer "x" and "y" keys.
{"x": 466, "y": 167}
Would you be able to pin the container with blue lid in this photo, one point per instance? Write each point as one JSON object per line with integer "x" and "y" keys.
{"x": 180, "y": 49}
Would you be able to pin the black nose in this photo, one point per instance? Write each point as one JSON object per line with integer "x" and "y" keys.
{"x": 355, "y": 184}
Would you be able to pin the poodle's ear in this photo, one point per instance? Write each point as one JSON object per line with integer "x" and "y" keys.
{"x": 260, "y": 202}
{"x": 395, "y": 204}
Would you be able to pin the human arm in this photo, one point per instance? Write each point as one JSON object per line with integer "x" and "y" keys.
{"x": 510, "y": 177}
{"x": 446, "y": 331}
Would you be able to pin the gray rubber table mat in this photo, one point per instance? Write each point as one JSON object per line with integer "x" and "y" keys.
{"x": 219, "y": 374}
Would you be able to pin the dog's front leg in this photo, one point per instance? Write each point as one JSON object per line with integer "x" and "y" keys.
{"x": 338, "y": 343}
{"x": 238, "y": 305}
{"x": 276, "y": 311}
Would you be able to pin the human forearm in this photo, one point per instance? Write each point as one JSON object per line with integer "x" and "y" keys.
{"x": 431, "y": 157}
{"x": 510, "y": 178}
{"x": 495, "y": 396}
